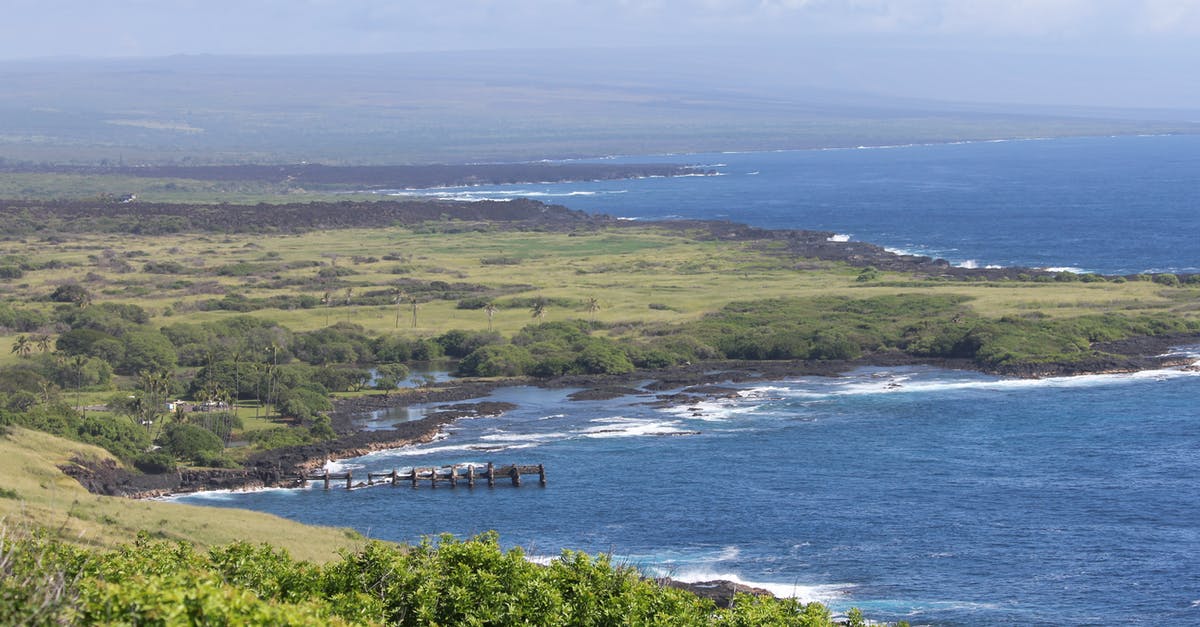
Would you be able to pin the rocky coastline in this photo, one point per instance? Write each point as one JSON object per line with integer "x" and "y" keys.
{"x": 691, "y": 383}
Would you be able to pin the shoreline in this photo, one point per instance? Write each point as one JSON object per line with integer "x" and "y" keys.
{"x": 459, "y": 399}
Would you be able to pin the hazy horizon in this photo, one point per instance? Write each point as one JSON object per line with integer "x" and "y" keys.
{"x": 373, "y": 81}
{"x": 1099, "y": 53}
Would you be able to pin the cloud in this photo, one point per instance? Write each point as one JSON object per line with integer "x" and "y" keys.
{"x": 159, "y": 27}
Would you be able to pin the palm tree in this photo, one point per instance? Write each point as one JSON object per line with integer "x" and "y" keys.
{"x": 398, "y": 296}
{"x": 272, "y": 368}
{"x": 155, "y": 386}
{"x": 237, "y": 377}
{"x": 22, "y": 347}
{"x": 490, "y": 310}
{"x": 414, "y": 312}
{"x": 78, "y": 363}
{"x": 43, "y": 342}
{"x": 327, "y": 300}
{"x": 593, "y": 306}
{"x": 539, "y": 309}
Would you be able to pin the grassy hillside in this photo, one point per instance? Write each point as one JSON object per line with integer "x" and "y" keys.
{"x": 38, "y": 495}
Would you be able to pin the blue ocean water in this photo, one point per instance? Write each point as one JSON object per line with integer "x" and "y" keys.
{"x": 938, "y": 497}
{"x": 920, "y": 494}
{"x": 1114, "y": 205}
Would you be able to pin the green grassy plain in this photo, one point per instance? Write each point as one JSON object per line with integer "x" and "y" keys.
{"x": 639, "y": 276}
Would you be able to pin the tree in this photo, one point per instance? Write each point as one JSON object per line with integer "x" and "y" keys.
{"x": 490, "y": 310}
{"x": 147, "y": 350}
{"x": 72, "y": 293}
{"x": 78, "y": 363}
{"x": 22, "y": 346}
{"x": 237, "y": 377}
{"x": 398, "y": 296}
{"x": 539, "y": 309}
{"x": 327, "y": 300}
{"x": 193, "y": 442}
{"x": 43, "y": 342}
{"x": 414, "y": 313}
{"x": 593, "y": 305}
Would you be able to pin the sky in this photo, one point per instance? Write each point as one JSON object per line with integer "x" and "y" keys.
{"x": 1137, "y": 53}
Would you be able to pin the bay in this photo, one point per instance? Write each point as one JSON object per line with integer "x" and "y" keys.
{"x": 939, "y": 497}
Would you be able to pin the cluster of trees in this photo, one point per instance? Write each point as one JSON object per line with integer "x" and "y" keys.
{"x": 922, "y": 325}
{"x": 452, "y": 582}
{"x": 240, "y": 358}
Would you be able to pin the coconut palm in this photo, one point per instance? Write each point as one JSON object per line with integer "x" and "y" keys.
{"x": 593, "y": 305}
{"x": 490, "y": 310}
{"x": 43, "y": 342}
{"x": 78, "y": 362}
{"x": 398, "y": 296}
{"x": 22, "y": 346}
{"x": 237, "y": 377}
{"x": 155, "y": 385}
{"x": 539, "y": 309}
{"x": 414, "y": 312}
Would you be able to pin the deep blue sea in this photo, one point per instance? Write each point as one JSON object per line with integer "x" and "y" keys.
{"x": 934, "y": 496}
{"x": 1115, "y": 205}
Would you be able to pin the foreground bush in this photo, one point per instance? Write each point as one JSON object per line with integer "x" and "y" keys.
{"x": 43, "y": 581}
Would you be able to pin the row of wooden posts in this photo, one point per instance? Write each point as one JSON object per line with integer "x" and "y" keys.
{"x": 452, "y": 475}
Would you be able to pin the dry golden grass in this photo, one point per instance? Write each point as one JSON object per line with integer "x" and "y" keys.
{"x": 38, "y": 494}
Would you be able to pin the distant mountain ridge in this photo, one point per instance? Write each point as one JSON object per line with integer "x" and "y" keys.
{"x": 464, "y": 107}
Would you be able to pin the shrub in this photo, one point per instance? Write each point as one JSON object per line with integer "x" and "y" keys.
{"x": 868, "y": 273}
{"x": 154, "y": 463}
{"x": 187, "y": 441}
{"x": 1168, "y": 279}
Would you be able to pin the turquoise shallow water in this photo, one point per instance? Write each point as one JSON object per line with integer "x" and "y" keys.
{"x": 935, "y": 496}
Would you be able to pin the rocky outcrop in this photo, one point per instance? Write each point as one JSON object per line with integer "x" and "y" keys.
{"x": 719, "y": 591}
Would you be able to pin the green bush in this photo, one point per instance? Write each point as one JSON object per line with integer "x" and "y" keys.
{"x": 187, "y": 441}
{"x": 156, "y": 462}
{"x": 1168, "y": 279}
{"x": 449, "y": 582}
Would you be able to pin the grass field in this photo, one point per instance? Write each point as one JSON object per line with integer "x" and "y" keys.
{"x": 638, "y": 276}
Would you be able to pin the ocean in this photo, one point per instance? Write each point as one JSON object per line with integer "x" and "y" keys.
{"x": 1113, "y": 205}
{"x": 933, "y": 496}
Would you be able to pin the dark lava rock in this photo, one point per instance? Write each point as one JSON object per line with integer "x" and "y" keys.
{"x": 604, "y": 393}
{"x": 720, "y": 592}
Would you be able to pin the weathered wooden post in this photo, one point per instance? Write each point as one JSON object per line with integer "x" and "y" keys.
{"x": 542, "y": 474}
{"x": 395, "y": 478}
{"x": 454, "y": 476}
{"x": 471, "y": 476}
{"x": 326, "y": 479}
{"x": 433, "y": 476}
{"x": 413, "y": 475}
{"x": 515, "y": 473}
{"x": 491, "y": 475}
{"x": 303, "y": 480}
{"x": 349, "y": 478}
